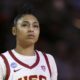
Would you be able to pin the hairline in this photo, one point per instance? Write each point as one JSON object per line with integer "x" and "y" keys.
{"x": 20, "y": 16}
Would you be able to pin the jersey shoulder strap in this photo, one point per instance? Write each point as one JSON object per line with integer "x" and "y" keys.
{"x": 47, "y": 61}
{"x": 7, "y": 67}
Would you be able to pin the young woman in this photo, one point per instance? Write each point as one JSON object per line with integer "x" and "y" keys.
{"x": 24, "y": 62}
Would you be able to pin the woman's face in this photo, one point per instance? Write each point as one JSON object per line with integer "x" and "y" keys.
{"x": 27, "y": 30}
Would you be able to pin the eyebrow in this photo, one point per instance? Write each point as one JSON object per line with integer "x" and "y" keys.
{"x": 28, "y": 21}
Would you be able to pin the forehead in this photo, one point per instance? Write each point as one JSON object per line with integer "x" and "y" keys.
{"x": 28, "y": 17}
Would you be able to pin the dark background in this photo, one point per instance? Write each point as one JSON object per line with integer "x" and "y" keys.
{"x": 60, "y": 32}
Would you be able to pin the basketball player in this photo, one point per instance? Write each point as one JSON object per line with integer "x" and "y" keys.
{"x": 24, "y": 62}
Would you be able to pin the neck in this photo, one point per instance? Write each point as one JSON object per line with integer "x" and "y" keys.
{"x": 29, "y": 51}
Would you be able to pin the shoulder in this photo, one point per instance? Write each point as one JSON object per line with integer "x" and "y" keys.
{"x": 53, "y": 66}
{"x": 2, "y": 64}
{"x": 4, "y": 53}
{"x": 1, "y": 58}
{"x": 49, "y": 56}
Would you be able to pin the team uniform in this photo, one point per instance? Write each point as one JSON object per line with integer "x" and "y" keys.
{"x": 14, "y": 66}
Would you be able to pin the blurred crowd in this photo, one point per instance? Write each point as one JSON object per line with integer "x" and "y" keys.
{"x": 60, "y": 32}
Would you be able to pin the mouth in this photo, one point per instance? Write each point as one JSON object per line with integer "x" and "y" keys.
{"x": 31, "y": 36}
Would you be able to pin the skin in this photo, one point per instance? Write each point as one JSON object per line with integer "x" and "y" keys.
{"x": 27, "y": 32}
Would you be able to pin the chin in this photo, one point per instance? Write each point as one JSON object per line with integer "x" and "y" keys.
{"x": 31, "y": 42}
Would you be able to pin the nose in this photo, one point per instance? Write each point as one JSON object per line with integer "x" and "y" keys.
{"x": 31, "y": 29}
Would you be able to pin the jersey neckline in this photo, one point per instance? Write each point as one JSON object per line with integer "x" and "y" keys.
{"x": 23, "y": 64}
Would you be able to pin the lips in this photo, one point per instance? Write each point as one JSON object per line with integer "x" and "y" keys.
{"x": 30, "y": 36}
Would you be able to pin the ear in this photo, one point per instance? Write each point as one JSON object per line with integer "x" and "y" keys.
{"x": 14, "y": 31}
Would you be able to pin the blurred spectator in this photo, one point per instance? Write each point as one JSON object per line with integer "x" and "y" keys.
{"x": 71, "y": 33}
{"x": 59, "y": 5}
{"x": 59, "y": 11}
{"x": 64, "y": 67}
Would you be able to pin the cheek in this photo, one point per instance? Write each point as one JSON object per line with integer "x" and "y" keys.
{"x": 21, "y": 30}
{"x": 37, "y": 33}
{"x": 20, "y": 33}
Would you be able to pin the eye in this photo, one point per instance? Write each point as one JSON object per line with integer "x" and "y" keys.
{"x": 25, "y": 24}
{"x": 36, "y": 26}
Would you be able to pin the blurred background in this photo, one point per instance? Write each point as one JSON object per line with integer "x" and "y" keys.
{"x": 60, "y": 32}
